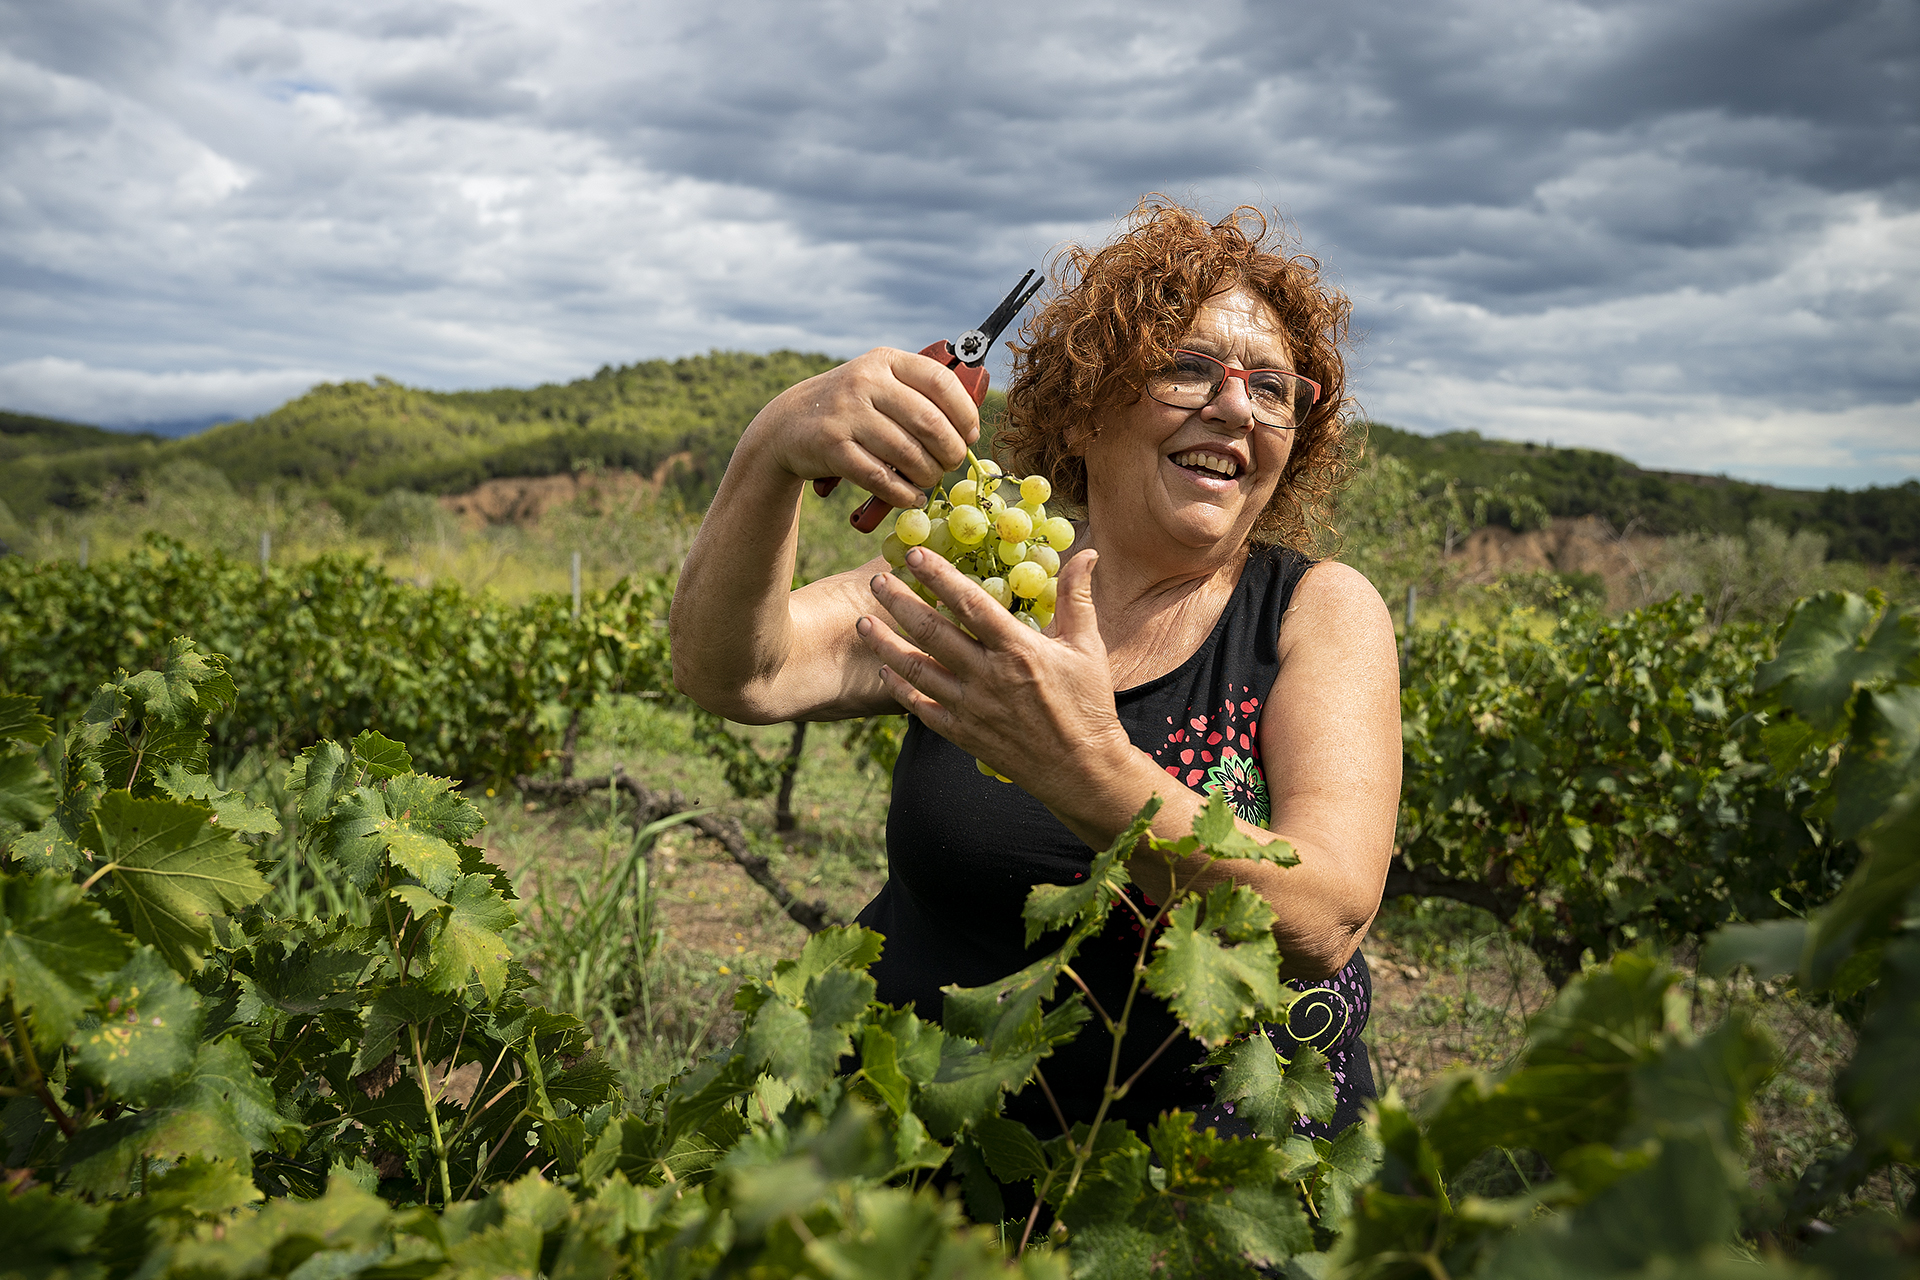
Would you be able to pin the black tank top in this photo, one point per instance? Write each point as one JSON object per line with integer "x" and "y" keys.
{"x": 964, "y": 849}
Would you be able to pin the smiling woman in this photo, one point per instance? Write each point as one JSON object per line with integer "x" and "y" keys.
{"x": 1183, "y": 393}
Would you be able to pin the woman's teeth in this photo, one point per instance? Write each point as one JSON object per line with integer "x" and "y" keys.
{"x": 1208, "y": 462}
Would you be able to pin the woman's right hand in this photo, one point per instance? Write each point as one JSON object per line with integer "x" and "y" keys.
{"x": 890, "y": 421}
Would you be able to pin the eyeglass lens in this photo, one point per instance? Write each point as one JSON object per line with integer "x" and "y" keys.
{"x": 1194, "y": 380}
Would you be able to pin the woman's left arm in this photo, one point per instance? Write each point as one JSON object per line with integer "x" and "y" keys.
{"x": 1041, "y": 710}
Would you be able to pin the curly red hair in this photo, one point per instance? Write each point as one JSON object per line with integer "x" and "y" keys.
{"x": 1118, "y": 312}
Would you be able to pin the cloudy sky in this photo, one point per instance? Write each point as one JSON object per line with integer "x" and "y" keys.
{"x": 1687, "y": 231}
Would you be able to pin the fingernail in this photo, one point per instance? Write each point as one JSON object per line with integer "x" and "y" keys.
{"x": 916, "y": 558}
{"x": 864, "y": 626}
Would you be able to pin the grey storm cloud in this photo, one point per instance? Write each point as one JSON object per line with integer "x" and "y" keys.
{"x": 1689, "y": 232}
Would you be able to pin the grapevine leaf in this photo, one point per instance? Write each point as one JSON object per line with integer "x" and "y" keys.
{"x": 1350, "y": 1163}
{"x": 422, "y": 817}
{"x": 50, "y": 1236}
{"x": 705, "y": 1092}
{"x": 339, "y": 1235}
{"x": 27, "y": 794}
{"x": 351, "y": 834}
{"x": 468, "y": 944}
{"x": 845, "y": 946}
{"x": 231, "y": 809}
{"x": 1234, "y": 1216}
{"x": 1881, "y": 761}
{"x": 1821, "y": 659}
{"x": 318, "y": 777}
{"x": 804, "y": 1045}
{"x": 381, "y": 757}
{"x": 221, "y": 1110}
{"x": 176, "y": 869}
{"x": 187, "y": 686}
{"x": 1879, "y": 1087}
{"x": 1703, "y": 1085}
{"x": 1012, "y": 1152}
{"x": 1574, "y": 1082}
{"x": 21, "y": 721}
{"x": 1770, "y": 948}
{"x": 310, "y": 979}
{"x": 55, "y": 950}
{"x": 969, "y": 1084}
{"x": 147, "y": 1032}
{"x": 917, "y": 1043}
{"x": 1215, "y": 828}
{"x": 1055, "y": 906}
{"x": 880, "y": 1064}
{"x": 1676, "y": 1218}
{"x": 1268, "y": 1092}
{"x": 1003, "y": 1015}
{"x": 1215, "y": 987}
{"x": 1111, "y": 1184}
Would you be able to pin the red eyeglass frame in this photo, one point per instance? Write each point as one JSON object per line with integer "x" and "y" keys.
{"x": 1245, "y": 376}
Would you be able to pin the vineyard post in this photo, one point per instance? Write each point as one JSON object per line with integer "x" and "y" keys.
{"x": 266, "y": 551}
{"x": 576, "y": 586}
{"x": 1406, "y": 645}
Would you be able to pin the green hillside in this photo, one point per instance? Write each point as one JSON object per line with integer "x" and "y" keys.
{"x": 353, "y": 441}
{"x": 349, "y": 443}
{"x": 1874, "y": 525}
{"x": 23, "y": 435}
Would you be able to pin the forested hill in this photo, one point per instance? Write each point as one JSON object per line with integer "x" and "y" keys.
{"x": 1874, "y": 525}
{"x": 351, "y": 441}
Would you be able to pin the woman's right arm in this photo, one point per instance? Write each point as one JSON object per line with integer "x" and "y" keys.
{"x": 744, "y": 645}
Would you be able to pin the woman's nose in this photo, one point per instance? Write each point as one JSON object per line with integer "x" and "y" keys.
{"x": 1231, "y": 404}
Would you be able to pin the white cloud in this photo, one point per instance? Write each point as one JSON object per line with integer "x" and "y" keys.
{"x": 58, "y": 388}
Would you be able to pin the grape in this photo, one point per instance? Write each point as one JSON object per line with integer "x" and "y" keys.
{"x": 964, "y": 494}
{"x": 992, "y": 503}
{"x": 1042, "y": 618}
{"x": 1048, "y": 596}
{"x": 1035, "y": 489}
{"x": 912, "y": 526}
{"x": 1000, "y": 591}
{"x": 894, "y": 550}
{"x": 1037, "y": 512}
{"x": 1027, "y": 579}
{"x": 941, "y": 541}
{"x": 1044, "y": 556}
{"x": 1058, "y": 531}
{"x": 967, "y": 525}
{"x": 1012, "y": 553}
{"x": 1013, "y": 525}
{"x": 986, "y": 469}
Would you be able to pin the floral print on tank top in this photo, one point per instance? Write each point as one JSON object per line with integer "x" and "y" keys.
{"x": 1221, "y": 752}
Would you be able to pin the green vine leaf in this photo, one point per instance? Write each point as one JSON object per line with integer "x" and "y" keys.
{"x": 467, "y": 946}
{"x": 1269, "y": 1092}
{"x": 175, "y": 869}
{"x": 230, "y": 809}
{"x": 1217, "y": 984}
{"x": 146, "y": 1032}
{"x": 55, "y": 950}
{"x": 1822, "y": 658}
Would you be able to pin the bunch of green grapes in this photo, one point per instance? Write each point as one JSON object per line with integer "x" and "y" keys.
{"x": 1011, "y": 548}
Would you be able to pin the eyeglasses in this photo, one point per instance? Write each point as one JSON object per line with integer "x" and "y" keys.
{"x": 1280, "y": 397}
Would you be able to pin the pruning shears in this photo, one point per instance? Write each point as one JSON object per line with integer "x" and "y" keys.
{"x": 965, "y": 355}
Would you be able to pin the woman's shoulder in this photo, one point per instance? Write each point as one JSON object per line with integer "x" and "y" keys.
{"x": 1335, "y": 603}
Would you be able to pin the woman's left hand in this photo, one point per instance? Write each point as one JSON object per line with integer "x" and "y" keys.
{"x": 1037, "y": 708}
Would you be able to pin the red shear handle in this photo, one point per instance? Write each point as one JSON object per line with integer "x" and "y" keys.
{"x": 867, "y": 516}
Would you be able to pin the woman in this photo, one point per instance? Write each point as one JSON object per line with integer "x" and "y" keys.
{"x": 1185, "y": 391}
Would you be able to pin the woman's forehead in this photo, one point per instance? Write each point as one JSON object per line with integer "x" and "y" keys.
{"x": 1244, "y": 321}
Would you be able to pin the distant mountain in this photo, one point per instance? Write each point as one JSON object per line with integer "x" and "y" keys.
{"x": 1874, "y": 525}
{"x": 352, "y": 441}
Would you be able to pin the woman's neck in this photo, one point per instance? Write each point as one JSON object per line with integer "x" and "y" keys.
{"x": 1154, "y": 616}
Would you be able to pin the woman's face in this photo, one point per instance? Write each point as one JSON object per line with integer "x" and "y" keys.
{"x": 1193, "y": 479}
